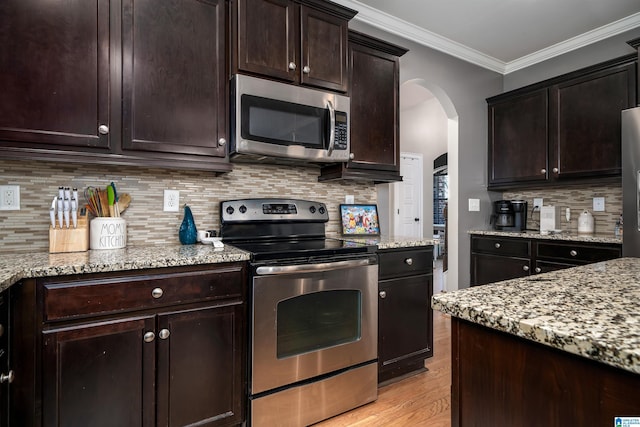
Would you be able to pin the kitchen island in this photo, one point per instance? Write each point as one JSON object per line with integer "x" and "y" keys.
{"x": 561, "y": 348}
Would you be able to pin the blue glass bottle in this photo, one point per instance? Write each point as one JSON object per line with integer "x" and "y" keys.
{"x": 188, "y": 233}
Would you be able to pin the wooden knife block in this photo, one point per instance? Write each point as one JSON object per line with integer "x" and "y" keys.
{"x": 70, "y": 239}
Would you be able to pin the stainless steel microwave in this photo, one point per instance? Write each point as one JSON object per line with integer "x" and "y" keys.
{"x": 272, "y": 120}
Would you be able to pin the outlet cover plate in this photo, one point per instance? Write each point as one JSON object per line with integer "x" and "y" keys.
{"x": 598, "y": 204}
{"x": 171, "y": 200}
{"x": 474, "y": 205}
{"x": 537, "y": 202}
{"x": 9, "y": 197}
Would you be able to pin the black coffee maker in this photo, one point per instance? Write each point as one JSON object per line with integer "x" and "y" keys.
{"x": 509, "y": 215}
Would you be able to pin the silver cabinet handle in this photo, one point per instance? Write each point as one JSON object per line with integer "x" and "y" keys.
{"x": 383, "y": 294}
{"x": 573, "y": 253}
{"x": 7, "y": 378}
{"x": 222, "y": 141}
{"x": 292, "y": 65}
{"x": 408, "y": 261}
{"x": 538, "y": 269}
{"x": 157, "y": 293}
{"x": 164, "y": 334}
{"x": 497, "y": 245}
{"x": 555, "y": 170}
{"x": 525, "y": 267}
{"x": 103, "y": 129}
{"x": 149, "y": 337}
{"x": 306, "y": 69}
{"x": 543, "y": 170}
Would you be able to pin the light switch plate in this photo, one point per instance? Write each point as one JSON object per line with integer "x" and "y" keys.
{"x": 598, "y": 204}
{"x": 474, "y": 205}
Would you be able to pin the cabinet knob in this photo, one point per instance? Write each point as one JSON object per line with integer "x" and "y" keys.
{"x": 149, "y": 337}
{"x": 306, "y": 69}
{"x": 573, "y": 253}
{"x": 383, "y": 294}
{"x": 352, "y": 156}
{"x": 525, "y": 267}
{"x": 292, "y": 65}
{"x": 103, "y": 129}
{"x": 538, "y": 269}
{"x": 164, "y": 334}
{"x": 497, "y": 245}
{"x": 408, "y": 261}
{"x": 222, "y": 142}
{"x": 8, "y": 378}
{"x": 157, "y": 292}
{"x": 543, "y": 171}
{"x": 555, "y": 170}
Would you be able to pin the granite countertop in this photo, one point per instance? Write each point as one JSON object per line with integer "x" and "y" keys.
{"x": 564, "y": 236}
{"x": 392, "y": 242}
{"x": 16, "y": 266}
{"x": 590, "y": 310}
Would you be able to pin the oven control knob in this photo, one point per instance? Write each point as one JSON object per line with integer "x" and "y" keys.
{"x": 322, "y": 210}
{"x": 230, "y": 210}
{"x": 312, "y": 209}
{"x": 242, "y": 209}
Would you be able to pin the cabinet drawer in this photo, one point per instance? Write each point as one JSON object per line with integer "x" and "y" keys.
{"x": 576, "y": 253}
{"x": 501, "y": 246}
{"x": 97, "y": 296}
{"x": 405, "y": 262}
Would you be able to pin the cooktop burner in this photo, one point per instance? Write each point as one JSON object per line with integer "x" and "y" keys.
{"x": 301, "y": 248}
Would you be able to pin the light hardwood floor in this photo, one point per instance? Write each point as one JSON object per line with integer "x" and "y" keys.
{"x": 422, "y": 400}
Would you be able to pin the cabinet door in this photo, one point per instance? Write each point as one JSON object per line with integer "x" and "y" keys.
{"x": 99, "y": 374}
{"x": 490, "y": 268}
{"x": 200, "y": 367}
{"x": 324, "y": 49}
{"x": 374, "y": 131}
{"x": 55, "y": 73}
{"x": 405, "y": 321}
{"x": 4, "y": 358}
{"x": 174, "y": 76}
{"x": 266, "y": 38}
{"x": 586, "y": 122}
{"x": 518, "y": 134}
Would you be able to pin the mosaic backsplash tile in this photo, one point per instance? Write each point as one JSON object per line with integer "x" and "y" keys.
{"x": 147, "y": 224}
{"x": 577, "y": 199}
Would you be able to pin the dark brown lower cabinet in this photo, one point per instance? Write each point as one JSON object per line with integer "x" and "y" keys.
{"x": 500, "y": 379}
{"x": 405, "y": 317}
{"x": 162, "y": 347}
{"x": 4, "y": 359}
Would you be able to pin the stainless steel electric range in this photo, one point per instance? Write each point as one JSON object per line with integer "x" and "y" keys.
{"x": 313, "y": 316}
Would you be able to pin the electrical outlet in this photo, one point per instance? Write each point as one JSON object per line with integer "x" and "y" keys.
{"x": 171, "y": 200}
{"x": 474, "y": 205}
{"x": 598, "y": 204}
{"x": 9, "y": 197}
{"x": 537, "y": 203}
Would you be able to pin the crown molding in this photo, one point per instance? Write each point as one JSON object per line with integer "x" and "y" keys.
{"x": 399, "y": 27}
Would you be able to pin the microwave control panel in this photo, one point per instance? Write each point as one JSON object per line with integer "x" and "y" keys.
{"x": 341, "y": 131}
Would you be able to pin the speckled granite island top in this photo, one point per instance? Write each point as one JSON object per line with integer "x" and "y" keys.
{"x": 591, "y": 310}
{"x": 16, "y": 266}
{"x": 564, "y": 236}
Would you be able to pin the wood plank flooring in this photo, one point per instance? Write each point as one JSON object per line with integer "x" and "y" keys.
{"x": 422, "y": 400}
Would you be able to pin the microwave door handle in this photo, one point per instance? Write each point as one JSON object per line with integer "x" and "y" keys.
{"x": 332, "y": 127}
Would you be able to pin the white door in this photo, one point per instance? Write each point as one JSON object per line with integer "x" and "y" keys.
{"x": 408, "y": 197}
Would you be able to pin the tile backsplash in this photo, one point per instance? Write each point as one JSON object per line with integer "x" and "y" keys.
{"x": 147, "y": 224}
{"x": 577, "y": 199}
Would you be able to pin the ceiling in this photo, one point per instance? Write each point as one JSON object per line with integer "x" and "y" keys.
{"x": 501, "y": 35}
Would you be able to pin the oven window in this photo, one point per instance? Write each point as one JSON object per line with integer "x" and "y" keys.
{"x": 318, "y": 320}
{"x": 283, "y": 123}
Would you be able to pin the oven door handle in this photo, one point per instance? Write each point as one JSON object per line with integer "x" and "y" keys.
{"x": 311, "y": 268}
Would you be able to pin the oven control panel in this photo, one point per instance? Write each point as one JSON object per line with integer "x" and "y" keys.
{"x": 290, "y": 210}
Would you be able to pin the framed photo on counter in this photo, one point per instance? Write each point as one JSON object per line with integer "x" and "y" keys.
{"x": 359, "y": 220}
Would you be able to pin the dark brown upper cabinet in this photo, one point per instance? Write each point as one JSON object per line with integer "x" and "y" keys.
{"x": 562, "y": 130}
{"x": 300, "y": 42}
{"x": 115, "y": 82}
{"x": 374, "y": 116}
{"x": 635, "y": 43}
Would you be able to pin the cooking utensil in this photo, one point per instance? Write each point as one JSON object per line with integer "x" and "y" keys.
{"x": 124, "y": 201}
{"x": 110, "y": 200}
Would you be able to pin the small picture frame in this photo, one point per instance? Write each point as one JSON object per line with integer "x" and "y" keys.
{"x": 359, "y": 220}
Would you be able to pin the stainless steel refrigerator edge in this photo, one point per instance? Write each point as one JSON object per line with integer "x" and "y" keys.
{"x": 630, "y": 181}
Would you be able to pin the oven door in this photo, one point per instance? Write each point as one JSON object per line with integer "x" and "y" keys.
{"x": 312, "y": 319}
